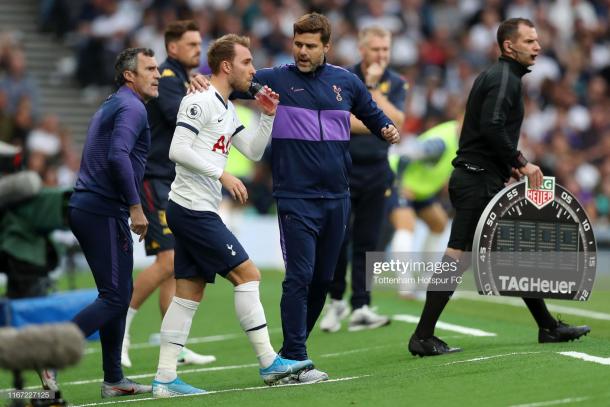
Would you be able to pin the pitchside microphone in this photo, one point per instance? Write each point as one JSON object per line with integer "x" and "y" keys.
{"x": 18, "y": 187}
{"x": 37, "y": 347}
{"x": 48, "y": 346}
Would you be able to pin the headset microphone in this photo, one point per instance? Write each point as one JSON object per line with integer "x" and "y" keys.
{"x": 517, "y": 51}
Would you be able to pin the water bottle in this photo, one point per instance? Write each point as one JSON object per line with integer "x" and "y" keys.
{"x": 261, "y": 94}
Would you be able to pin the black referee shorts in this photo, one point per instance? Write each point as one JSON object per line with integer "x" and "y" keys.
{"x": 470, "y": 192}
{"x": 155, "y": 196}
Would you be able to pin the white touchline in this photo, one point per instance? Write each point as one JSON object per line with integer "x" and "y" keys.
{"x": 347, "y": 352}
{"x": 517, "y": 302}
{"x": 445, "y": 326}
{"x": 201, "y": 339}
{"x": 553, "y": 402}
{"x": 146, "y": 345}
{"x": 587, "y": 357}
{"x": 145, "y": 375}
{"x": 489, "y": 357}
{"x": 340, "y": 379}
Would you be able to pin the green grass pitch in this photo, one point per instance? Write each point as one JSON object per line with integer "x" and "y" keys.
{"x": 370, "y": 368}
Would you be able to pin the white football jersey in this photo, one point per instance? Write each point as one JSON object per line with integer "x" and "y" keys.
{"x": 210, "y": 126}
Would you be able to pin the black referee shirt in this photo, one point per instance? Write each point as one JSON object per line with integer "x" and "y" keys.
{"x": 492, "y": 123}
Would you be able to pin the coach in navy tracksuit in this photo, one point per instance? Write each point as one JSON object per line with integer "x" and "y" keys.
{"x": 105, "y": 196}
{"x": 311, "y": 165}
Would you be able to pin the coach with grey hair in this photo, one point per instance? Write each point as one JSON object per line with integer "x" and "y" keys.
{"x": 105, "y": 196}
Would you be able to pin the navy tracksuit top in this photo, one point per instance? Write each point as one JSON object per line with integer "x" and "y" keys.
{"x": 114, "y": 156}
{"x": 311, "y": 132}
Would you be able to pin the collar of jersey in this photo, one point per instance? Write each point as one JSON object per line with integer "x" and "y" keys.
{"x": 315, "y": 73}
{"x": 178, "y": 66}
{"x": 128, "y": 90}
{"x": 515, "y": 66}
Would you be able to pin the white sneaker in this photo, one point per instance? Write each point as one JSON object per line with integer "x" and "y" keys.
{"x": 335, "y": 312}
{"x": 48, "y": 377}
{"x": 308, "y": 376}
{"x": 125, "y": 361}
{"x": 188, "y": 357}
{"x": 366, "y": 318}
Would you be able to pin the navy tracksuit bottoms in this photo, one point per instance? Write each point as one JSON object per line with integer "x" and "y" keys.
{"x": 108, "y": 247}
{"x": 312, "y": 232}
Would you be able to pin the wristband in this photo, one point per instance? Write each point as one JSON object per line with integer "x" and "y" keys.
{"x": 519, "y": 161}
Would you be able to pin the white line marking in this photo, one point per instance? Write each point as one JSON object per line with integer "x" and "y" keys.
{"x": 587, "y": 357}
{"x": 445, "y": 325}
{"x": 341, "y": 379}
{"x": 147, "y": 375}
{"x": 489, "y": 357}
{"x": 347, "y": 352}
{"x": 518, "y": 302}
{"x": 201, "y": 339}
{"x": 552, "y": 402}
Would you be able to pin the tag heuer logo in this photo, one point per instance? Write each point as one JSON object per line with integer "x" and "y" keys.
{"x": 542, "y": 196}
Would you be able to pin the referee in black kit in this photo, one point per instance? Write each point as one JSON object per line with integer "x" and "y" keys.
{"x": 486, "y": 159}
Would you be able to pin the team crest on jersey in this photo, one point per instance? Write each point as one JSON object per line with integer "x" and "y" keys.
{"x": 337, "y": 91}
{"x": 384, "y": 87}
{"x": 193, "y": 111}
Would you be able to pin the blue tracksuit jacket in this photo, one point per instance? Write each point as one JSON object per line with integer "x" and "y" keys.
{"x": 311, "y": 131}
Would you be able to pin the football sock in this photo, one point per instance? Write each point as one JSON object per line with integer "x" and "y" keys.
{"x": 174, "y": 332}
{"x": 251, "y": 317}
{"x": 433, "y": 308}
{"x": 131, "y": 312}
{"x": 402, "y": 242}
{"x": 431, "y": 244}
{"x": 540, "y": 313}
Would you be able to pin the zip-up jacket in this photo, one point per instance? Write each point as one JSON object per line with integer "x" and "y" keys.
{"x": 162, "y": 113}
{"x": 492, "y": 123}
{"x": 114, "y": 156}
{"x": 311, "y": 132}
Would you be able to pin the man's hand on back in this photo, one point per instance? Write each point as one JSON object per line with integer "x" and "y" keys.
{"x": 198, "y": 83}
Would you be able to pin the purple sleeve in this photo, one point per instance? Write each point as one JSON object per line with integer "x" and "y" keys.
{"x": 128, "y": 124}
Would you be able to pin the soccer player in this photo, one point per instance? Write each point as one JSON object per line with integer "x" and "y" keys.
{"x": 370, "y": 178}
{"x": 311, "y": 165}
{"x": 207, "y": 127}
{"x": 486, "y": 158}
{"x": 105, "y": 196}
{"x": 422, "y": 170}
{"x": 183, "y": 46}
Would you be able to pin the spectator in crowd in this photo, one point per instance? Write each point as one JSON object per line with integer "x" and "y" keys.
{"x": 18, "y": 84}
{"x": 439, "y": 46}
